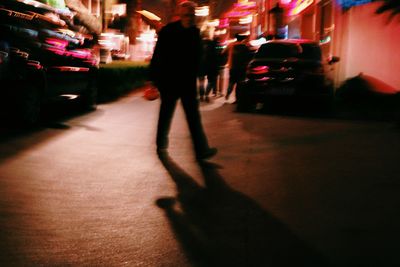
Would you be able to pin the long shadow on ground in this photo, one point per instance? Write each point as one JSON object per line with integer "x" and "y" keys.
{"x": 218, "y": 226}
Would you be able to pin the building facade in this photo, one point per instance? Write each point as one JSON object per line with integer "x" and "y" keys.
{"x": 366, "y": 42}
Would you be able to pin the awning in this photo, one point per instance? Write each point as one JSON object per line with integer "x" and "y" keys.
{"x": 152, "y": 19}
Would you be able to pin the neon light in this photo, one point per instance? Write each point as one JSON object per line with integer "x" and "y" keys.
{"x": 246, "y": 20}
{"x": 57, "y": 42}
{"x": 285, "y": 2}
{"x": 300, "y": 5}
{"x": 245, "y": 5}
{"x": 224, "y": 22}
{"x": 202, "y": 11}
{"x": 235, "y": 14}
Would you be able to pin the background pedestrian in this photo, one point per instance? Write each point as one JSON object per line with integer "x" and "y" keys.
{"x": 239, "y": 56}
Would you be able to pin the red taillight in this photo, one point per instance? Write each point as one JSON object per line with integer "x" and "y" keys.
{"x": 259, "y": 70}
{"x": 35, "y": 64}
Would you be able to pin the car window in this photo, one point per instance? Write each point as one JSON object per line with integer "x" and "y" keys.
{"x": 288, "y": 50}
{"x": 277, "y": 50}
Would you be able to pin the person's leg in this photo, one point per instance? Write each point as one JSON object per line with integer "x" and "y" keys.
{"x": 232, "y": 81}
{"x": 241, "y": 76}
{"x": 209, "y": 87}
{"x": 230, "y": 89}
{"x": 167, "y": 108}
{"x": 191, "y": 108}
{"x": 212, "y": 84}
{"x": 202, "y": 91}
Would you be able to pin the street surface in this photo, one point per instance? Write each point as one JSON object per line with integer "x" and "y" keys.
{"x": 284, "y": 190}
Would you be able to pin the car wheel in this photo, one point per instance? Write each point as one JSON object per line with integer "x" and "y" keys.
{"x": 327, "y": 102}
{"x": 244, "y": 104}
{"x": 244, "y": 101}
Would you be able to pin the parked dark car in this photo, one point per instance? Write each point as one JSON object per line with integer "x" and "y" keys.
{"x": 287, "y": 69}
{"x": 42, "y": 59}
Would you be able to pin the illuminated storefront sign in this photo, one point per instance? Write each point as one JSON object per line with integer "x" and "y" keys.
{"x": 350, "y": 3}
{"x": 285, "y": 2}
{"x": 300, "y": 5}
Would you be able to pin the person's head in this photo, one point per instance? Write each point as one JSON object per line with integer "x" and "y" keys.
{"x": 186, "y": 11}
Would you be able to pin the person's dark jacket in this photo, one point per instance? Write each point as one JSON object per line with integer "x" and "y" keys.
{"x": 211, "y": 58}
{"x": 176, "y": 56}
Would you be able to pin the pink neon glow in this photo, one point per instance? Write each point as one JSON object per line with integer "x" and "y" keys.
{"x": 237, "y": 14}
{"x": 285, "y": 2}
{"x": 55, "y": 50}
{"x": 56, "y": 42}
{"x": 246, "y": 5}
{"x": 78, "y": 53}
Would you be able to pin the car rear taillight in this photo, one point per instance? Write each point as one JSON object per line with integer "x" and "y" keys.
{"x": 35, "y": 64}
{"x": 258, "y": 70}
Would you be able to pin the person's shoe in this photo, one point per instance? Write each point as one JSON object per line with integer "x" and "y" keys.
{"x": 166, "y": 202}
{"x": 207, "y": 154}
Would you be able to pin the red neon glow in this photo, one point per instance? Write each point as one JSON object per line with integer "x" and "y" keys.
{"x": 224, "y": 22}
{"x": 35, "y": 64}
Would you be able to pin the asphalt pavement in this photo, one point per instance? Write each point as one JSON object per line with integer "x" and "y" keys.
{"x": 284, "y": 190}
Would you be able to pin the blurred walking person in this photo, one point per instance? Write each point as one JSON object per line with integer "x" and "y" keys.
{"x": 211, "y": 68}
{"x": 239, "y": 56}
{"x": 174, "y": 70}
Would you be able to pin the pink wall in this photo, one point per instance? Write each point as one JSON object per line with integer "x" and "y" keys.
{"x": 370, "y": 44}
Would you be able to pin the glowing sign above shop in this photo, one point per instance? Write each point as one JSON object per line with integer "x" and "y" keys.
{"x": 300, "y": 5}
{"x": 285, "y": 2}
{"x": 350, "y": 3}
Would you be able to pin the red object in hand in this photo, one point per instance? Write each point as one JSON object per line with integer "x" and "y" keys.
{"x": 151, "y": 94}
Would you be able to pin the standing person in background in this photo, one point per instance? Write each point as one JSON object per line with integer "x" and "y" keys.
{"x": 202, "y": 74}
{"x": 174, "y": 70}
{"x": 239, "y": 56}
{"x": 209, "y": 68}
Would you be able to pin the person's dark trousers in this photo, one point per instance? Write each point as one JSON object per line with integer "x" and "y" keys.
{"x": 202, "y": 90}
{"x": 235, "y": 76}
{"x": 191, "y": 107}
{"x": 211, "y": 85}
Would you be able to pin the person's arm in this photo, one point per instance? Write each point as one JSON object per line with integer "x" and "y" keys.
{"x": 156, "y": 60}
